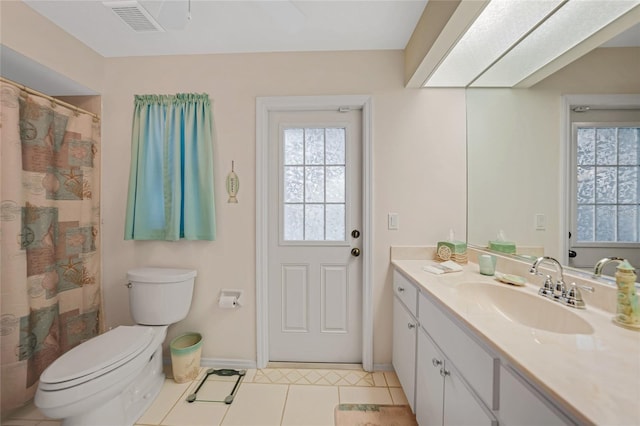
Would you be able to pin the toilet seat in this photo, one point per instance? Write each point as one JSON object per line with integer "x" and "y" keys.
{"x": 96, "y": 357}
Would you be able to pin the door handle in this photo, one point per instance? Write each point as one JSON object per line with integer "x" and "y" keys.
{"x": 572, "y": 253}
{"x": 355, "y": 233}
{"x": 355, "y": 252}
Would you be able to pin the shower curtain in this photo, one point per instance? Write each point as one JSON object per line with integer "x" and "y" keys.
{"x": 50, "y": 229}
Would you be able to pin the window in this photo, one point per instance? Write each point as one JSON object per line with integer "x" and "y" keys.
{"x": 607, "y": 183}
{"x": 313, "y": 184}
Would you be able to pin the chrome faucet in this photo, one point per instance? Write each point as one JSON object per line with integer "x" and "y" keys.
{"x": 558, "y": 291}
{"x": 597, "y": 270}
{"x": 549, "y": 289}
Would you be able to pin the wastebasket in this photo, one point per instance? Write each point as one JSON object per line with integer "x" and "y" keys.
{"x": 185, "y": 356}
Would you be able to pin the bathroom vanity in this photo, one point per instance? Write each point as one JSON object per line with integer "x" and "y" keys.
{"x": 470, "y": 350}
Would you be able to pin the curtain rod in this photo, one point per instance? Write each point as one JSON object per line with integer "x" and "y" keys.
{"x": 50, "y": 98}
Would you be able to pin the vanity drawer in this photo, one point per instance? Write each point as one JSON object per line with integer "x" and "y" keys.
{"x": 476, "y": 365}
{"x": 406, "y": 291}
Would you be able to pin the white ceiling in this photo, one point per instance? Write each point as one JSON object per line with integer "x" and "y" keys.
{"x": 235, "y": 26}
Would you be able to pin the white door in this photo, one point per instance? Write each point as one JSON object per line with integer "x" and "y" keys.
{"x": 314, "y": 216}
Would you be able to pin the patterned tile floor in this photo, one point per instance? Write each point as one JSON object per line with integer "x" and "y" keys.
{"x": 270, "y": 396}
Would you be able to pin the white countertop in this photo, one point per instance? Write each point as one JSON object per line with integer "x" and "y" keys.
{"x": 595, "y": 377}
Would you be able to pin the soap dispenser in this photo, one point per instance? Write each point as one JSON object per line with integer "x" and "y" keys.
{"x": 628, "y": 309}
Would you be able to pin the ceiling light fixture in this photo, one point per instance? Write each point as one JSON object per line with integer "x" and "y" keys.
{"x": 510, "y": 41}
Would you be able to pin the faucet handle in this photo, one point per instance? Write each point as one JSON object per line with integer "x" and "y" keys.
{"x": 573, "y": 296}
{"x": 559, "y": 290}
{"x": 547, "y": 287}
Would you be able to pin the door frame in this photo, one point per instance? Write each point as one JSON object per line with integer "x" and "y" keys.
{"x": 264, "y": 106}
{"x": 566, "y": 196}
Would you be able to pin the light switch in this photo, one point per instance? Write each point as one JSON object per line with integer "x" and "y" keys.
{"x": 393, "y": 221}
{"x": 541, "y": 222}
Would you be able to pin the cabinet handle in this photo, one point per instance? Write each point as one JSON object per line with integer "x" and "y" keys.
{"x": 400, "y": 289}
{"x": 411, "y": 326}
{"x": 444, "y": 372}
{"x": 436, "y": 362}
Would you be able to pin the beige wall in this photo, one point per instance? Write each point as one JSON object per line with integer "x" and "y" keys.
{"x": 419, "y": 164}
{"x": 419, "y": 136}
{"x": 37, "y": 38}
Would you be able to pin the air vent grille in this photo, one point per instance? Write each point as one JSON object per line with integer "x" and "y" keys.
{"x": 135, "y": 16}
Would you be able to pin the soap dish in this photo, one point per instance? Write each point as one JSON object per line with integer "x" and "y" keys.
{"x": 511, "y": 279}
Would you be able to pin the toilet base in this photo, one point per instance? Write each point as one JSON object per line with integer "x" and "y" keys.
{"x": 129, "y": 405}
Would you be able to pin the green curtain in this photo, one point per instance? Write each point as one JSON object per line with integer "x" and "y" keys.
{"x": 171, "y": 177}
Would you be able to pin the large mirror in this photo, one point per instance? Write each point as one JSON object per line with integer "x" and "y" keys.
{"x": 518, "y": 157}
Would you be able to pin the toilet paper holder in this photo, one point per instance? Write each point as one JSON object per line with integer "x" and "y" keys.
{"x": 226, "y": 295}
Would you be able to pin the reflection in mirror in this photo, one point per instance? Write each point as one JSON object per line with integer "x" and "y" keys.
{"x": 518, "y": 154}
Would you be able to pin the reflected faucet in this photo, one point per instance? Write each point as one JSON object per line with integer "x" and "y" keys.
{"x": 597, "y": 270}
{"x": 549, "y": 289}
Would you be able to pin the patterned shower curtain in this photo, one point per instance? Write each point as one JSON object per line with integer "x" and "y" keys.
{"x": 50, "y": 252}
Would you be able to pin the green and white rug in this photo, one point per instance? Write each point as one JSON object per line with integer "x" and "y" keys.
{"x": 374, "y": 415}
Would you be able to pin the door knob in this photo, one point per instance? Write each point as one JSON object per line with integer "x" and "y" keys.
{"x": 355, "y": 252}
{"x": 355, "y": 233}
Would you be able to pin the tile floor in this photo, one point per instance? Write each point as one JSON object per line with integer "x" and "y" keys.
{"x": 271, "y": 396}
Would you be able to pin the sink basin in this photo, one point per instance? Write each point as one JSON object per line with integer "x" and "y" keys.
{"x": 528, "y": 309}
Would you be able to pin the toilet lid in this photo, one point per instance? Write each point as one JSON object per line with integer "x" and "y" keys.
{"x": 103, "y": 352}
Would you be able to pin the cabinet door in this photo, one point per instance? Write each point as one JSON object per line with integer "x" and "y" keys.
{"x": 404, "y": 349}
{"x": 519, "y": 405}
{"x": 429, "y": 383}
{"x": 460, "y": 407}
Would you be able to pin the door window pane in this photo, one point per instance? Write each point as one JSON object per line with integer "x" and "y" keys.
{"x": 293, "y": 221}
{"x": 314, "y": 184}
{"x": 335, "y": 184}
{"x": 314, "y": 222}
{"x": 293, "y": 184}
{"x": 335, "y": 222}
{"x": 314, "y": 146}
{"x": 293, "y": 146}
{"x": 335, "y": 146}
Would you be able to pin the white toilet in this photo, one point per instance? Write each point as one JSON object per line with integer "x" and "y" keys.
{"x": 113, "y": 378}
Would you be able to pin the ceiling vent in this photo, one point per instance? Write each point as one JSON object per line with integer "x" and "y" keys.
{"x": 135, "y": 16}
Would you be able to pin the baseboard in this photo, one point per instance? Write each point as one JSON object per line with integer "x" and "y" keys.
{"x": 246, "y": 364}
{"x": 382, "y": 367}
{"x": 238, "y": 364}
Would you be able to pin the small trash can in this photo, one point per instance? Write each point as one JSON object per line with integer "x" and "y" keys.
{"x": 185, "y": 356}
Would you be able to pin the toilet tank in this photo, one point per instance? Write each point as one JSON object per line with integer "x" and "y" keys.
{"x": 160, "y": 296}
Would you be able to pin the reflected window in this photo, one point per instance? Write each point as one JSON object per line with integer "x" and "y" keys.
{"x": 607, "y": 182}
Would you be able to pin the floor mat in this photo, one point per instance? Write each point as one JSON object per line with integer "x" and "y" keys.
{"x": 374, "y": 415}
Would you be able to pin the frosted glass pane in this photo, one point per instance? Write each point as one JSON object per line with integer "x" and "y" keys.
{"x": 335, "y": 146}
{"x": 335, "y": 222}
{"x": 605, "y": 223}
{"x": 293, "y": 222}
{"x": 586, "y": 222}
{"x": 314, "y": 146}
{"x": 293, "y": 146}
{"x": 628, "y": 223}
{"x": 335, "y": 184}
{"x": 586, "y": 146}
{"x": 627, "y": 185}
{"x": 314, "y": 222}
{"x": 293, "y": 184}
{"x": 606, "y": 150}
{"x": 586, "y": 185}
{"x": 628, "y": 143}
{"x": 314, "y": 184}
{"x": 606, "y": 183}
